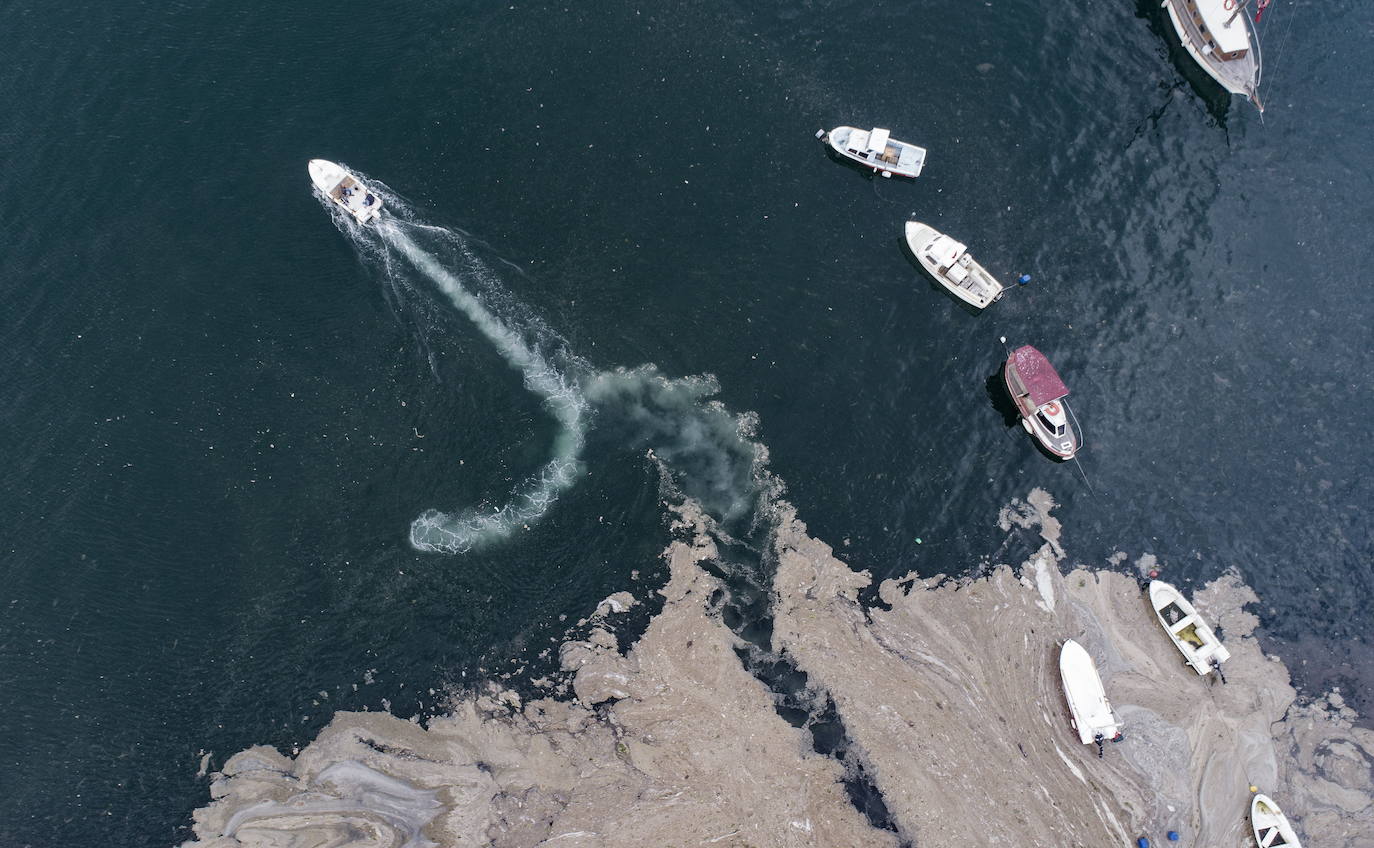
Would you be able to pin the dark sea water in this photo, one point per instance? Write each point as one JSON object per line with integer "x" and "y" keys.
{"x": 219, "y": 418}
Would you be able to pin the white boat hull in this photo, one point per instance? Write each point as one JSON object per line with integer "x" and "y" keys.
{"x": 1239, "y": 76}
{"x": 345, "y": 190}
{"x": 1272, "y": 828}
{"x": 978, "y": 288}
{"x": 1059, "y": 440}
{"x": 1189, "y": 632}
{"x": 1092, "y": 712}
{"x": 889, "y": 157}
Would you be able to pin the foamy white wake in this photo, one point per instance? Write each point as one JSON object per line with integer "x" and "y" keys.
{"x": 709, "y": 451}
{"x": 461, "y": 531}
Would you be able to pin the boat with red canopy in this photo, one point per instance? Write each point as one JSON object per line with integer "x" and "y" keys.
{"x": 1039, "y": 395}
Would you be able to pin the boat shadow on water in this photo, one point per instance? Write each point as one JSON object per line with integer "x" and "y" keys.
{"x": 996, "y": 387}
{"x": 945, "y": 294}
{"x": 1216, "y": 99}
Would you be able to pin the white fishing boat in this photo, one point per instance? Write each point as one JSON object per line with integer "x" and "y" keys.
{"x": 1092, "y": 712}
{"x": 949, "y": 263}
{"x": 1271, "y": 826}
{"x": 876, "y": 149}
{"x": 1037, "y": 391}
{"x": 345, "y": 190}
{"x": 1220, "y": 37}
{"x": 1200, "y": 646}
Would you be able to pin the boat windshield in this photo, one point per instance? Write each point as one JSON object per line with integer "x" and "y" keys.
{"x": 1057, "y": 429}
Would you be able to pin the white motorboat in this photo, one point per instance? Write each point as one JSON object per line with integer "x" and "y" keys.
{"x": 345, "y": 190}
{"x": 1199, "y": 645}
{"x": 1092, "y": 712}
{"x": 1037, "y": 391}
{"x": 876, "y": 149}
{"x": 949, "y": 263}
{"x": 1220, "y": 37}
{"x": 1271, "y": 826}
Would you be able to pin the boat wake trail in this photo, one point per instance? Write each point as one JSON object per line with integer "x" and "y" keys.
{"x": 709, "y": 453}
{"x": 394, "y": 245}
{"x": 462, "y": 531}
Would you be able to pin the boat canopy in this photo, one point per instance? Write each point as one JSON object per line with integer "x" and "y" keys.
{"x": 877, "y": 140}
{"x": 1038, "y": 375}
{"x": 946, "y": 250}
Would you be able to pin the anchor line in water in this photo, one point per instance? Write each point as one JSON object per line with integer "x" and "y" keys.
{"x": 1075, "y": 457}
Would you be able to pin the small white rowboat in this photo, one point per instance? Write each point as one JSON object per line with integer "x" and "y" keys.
{"x": 345, "y": 190}
{"x": 1092, "y": 712}
{"x": 1199, "y": 645}
{"x": 1272, "y": 829}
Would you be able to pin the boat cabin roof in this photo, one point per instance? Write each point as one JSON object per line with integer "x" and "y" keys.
{"x": 1215, "y": 14}
{"x": 877, "y": 139}
{"x": 946, "y": 250}
{"x": 1038, "y": 375}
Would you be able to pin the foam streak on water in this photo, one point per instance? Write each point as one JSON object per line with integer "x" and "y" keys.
{"x": 711, "y": 453}
{"x": 459, "y": 532}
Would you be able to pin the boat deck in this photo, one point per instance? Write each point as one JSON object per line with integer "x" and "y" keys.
{"x": 979, "y": 284}
{"x": 1229, "y": 54}
{"x": 876, "y": 149}
{"x": 354, "y": 196}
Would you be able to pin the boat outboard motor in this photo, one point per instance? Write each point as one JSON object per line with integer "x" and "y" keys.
{"x": 1099, "y": 739}
{"x": 1216, "y": 666}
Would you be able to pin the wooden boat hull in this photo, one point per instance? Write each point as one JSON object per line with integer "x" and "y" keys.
{"x": 1186, "y": 628}
{"x": 1238, "y": 76}
{"x": 1271, "y": 827}
{"x": 1092, "y": 713}
{"x": 979, "y": 289}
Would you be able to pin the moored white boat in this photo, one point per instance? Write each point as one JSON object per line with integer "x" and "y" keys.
{"x": 1220, "y": 37}
{"x": 949, "y": 263}
{"x": 1271, "y": 826}
{"x": 1199, "y": 645}
{"x": 876, "y": 149}
{"x": 1039, "y": 395}
{"x": 345, "y": 190}
{"x": 1092, "y": 712}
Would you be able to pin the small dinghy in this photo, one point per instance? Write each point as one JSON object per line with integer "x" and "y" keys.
{"x": 1200, "y": 646}
{"x": 1038, "y": 393}
{"x": 1092, "y": 713}
{"x": 345, "y": 190}
{"x": 949, "y": 263}
{"x": 876, "y": 149}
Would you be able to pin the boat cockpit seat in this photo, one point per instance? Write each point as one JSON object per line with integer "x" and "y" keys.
{"x": 1189, "y": 635}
